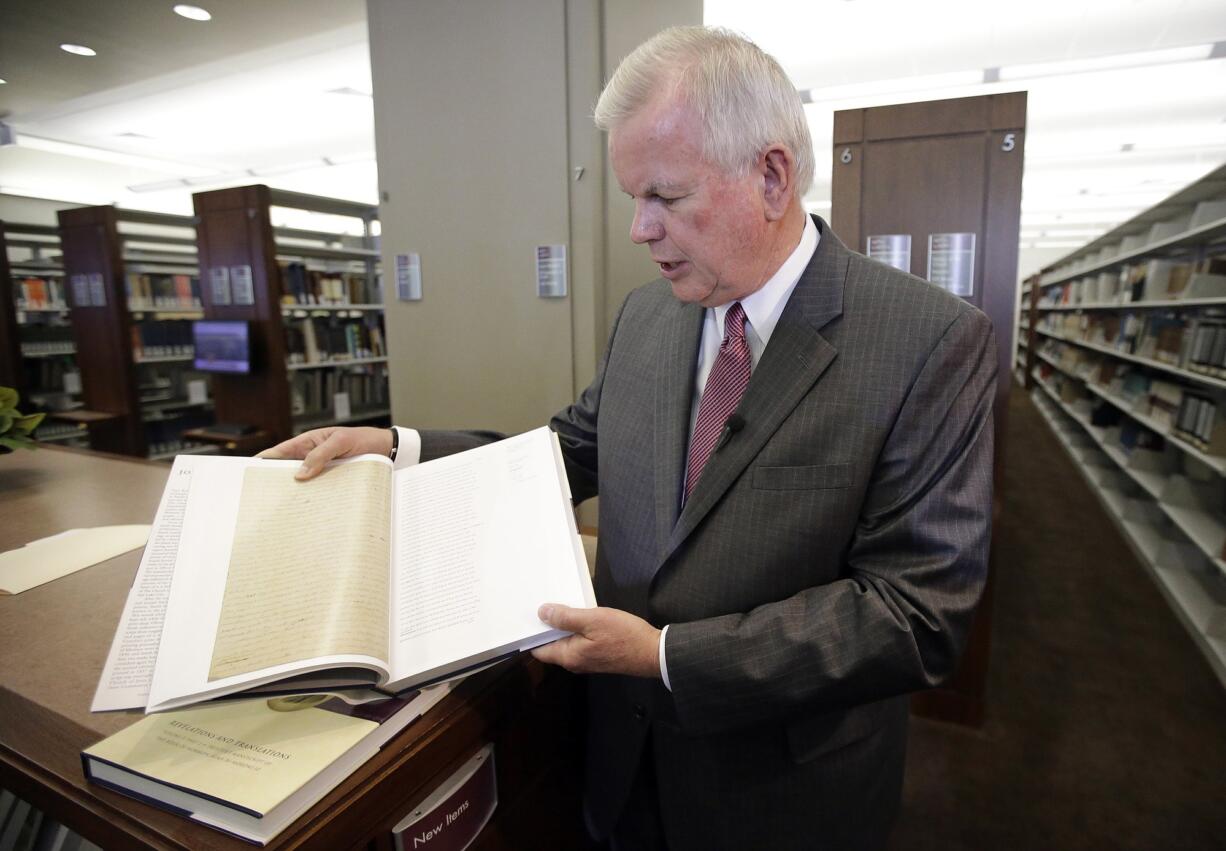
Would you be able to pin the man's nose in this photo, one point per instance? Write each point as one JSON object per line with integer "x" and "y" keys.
{"x": 645, "y": 226}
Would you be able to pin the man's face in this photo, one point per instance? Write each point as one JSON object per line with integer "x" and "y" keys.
{"x": 706, "y": 229}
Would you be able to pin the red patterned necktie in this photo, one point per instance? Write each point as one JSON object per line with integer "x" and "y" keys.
{"x": 725, "y": 387}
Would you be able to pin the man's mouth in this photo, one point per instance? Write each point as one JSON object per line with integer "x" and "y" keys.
{"x": 669, "y": 268}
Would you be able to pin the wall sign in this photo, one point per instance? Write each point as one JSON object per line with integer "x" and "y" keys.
{"x": 408, "y": 277}
{"x": 97, "y": 290}
{"x": 241, "y": 286}
{"x": 892, "y": 249}
{"x": 219, "y": 285}
{"x": 551, "y": 271}
{"x": 951, "y": 262}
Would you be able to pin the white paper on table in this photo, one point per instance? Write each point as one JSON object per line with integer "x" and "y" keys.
{"x": 50, "y": 558}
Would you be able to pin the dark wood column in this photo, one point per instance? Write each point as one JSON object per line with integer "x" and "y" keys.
{"x": 102, "y": 326}
{"x": 951, "y": 167}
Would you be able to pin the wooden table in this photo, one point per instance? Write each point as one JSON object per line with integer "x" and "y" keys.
{"x": 54, "y": 641}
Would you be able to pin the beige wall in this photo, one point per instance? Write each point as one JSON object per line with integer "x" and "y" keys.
{"x": 482, "y": 119}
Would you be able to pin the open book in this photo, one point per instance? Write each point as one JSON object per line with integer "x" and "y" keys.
{"x": 364, "y": 577}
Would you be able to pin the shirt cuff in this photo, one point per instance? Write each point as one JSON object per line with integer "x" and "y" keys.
{"x": 409, "y": 452}
{"x": 663, "y": 662}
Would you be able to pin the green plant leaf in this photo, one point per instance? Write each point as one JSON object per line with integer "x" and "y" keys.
{"x": 6, "y": 422}
{"x": 8, "y": 399}
{"x": 28, "y": 423}
{"x": 15, "y": 442}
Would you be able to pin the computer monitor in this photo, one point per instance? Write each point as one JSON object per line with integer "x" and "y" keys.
{"x": 222, "y": 346}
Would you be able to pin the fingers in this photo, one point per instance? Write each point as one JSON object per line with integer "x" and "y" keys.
{"x": 335, "y": 445}
{"x": 562, "y": 617}
{"x": 602, "y": 640}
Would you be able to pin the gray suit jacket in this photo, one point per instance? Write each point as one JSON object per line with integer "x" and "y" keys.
{"x": 827, "y": 563}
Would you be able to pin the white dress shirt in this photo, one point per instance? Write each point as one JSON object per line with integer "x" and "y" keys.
{"x": 762, "y": 311}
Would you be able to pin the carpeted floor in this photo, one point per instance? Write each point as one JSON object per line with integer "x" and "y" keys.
{"x": 1106, "y": 727}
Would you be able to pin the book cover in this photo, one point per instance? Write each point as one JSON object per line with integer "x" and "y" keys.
{"x": 249, "y": 767}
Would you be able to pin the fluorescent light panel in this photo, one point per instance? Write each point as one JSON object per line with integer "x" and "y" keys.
{"x": 78, "y": 50}
{"x": 1106, "y": 63}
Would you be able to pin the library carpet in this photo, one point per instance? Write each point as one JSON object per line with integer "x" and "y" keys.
{"x": 1106, "y": 727}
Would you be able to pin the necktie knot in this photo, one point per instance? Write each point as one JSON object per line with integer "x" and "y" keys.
{"x": 734, "y": 324}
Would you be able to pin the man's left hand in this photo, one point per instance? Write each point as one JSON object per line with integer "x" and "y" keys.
{"x": 605, "y": 641}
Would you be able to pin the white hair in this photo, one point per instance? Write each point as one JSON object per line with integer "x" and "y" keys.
{"x": 742, "y": 96}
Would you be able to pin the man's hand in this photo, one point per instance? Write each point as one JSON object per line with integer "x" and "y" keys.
{"x": 605, "y": 641}
{"x": 319, "y": 446}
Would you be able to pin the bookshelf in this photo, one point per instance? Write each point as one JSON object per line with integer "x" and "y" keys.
{"x": 39, "y": 350}
{"x": 313, "y": 300}
{"x": 1127, "y": 342}
{"x": 133, "y": 289}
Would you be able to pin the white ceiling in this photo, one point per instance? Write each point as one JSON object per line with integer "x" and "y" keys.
{"x": 277, "y": 91}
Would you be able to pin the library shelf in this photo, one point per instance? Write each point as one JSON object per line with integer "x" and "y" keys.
{"x": 1202, "y": 528}
{"x": 1186, "y": 374}
{"x": 1198, "y": 601}
{"x": 301, "y": 425}
{"x": 134, "y": 289}
{"x": 316, "y": 311}
{"x": 1204, "y": 234}
{"x": 1154, "y": 304}
{"x": 336, "y": 364}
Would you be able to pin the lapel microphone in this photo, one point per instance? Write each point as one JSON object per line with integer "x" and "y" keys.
{"x": 732, "y": 425}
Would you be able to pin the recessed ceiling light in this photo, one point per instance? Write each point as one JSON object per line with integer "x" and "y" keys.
{"x": 2, "y": 82}
{"x": 78, "y": 49}
{"x": 194, "y": 13}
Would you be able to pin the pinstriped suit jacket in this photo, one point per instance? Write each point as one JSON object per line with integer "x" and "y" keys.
{"x": 827, "y": 563}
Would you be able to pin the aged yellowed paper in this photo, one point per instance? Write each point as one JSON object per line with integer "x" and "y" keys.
{"x": 308, "y": 573}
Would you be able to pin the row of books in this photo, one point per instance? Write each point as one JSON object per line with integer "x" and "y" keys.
{"x": 313, "y": 392}
{"x": 163, "y": 292}
{"x": 321, "y": 339}
{"x": 1197, "y": 422}
{"x": 165, "y": 338}
{"x": 1153, "y": 280}
{"x": 40, "y": 294}
{"x": 46, "y": 338}
{"x": 1170, "y": 406}
{"x": 1204, "y": 213}
{"x": 1187, "y": 340}
{"x": 300, "y": 285}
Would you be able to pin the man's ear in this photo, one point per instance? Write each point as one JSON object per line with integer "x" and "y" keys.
{"x": 777, "y": 166}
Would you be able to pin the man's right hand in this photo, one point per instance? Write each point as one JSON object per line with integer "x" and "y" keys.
{"x": 321, "y": 445}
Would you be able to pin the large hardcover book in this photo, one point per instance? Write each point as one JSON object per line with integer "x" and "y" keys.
{"x": 363, "y": 577}
{"x": 249, "y": 767}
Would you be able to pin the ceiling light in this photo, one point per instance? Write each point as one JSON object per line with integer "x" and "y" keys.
{"x": 1107, "y": 63}
{"x": 887, "y": 87}
{"x": 78, "y": 50}
{"x": 194, "y": 13}
{"x": 2, "y": 82}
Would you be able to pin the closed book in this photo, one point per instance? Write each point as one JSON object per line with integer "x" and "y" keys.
{"x": 249, "y": 767}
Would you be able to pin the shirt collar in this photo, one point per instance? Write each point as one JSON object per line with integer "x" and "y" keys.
{"x": 764, "y": 307}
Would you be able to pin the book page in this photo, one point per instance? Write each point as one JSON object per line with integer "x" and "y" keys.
{"x": 482, "y": 539}
{"x": 129, "y": 665}
{"x": 308, "y": 569}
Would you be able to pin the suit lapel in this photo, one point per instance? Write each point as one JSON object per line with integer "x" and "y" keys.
{"x": 674, "y": 391}
{"x": 793, "y": 361}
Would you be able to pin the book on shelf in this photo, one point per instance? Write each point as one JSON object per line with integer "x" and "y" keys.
{"x": 34, "y": 293}
{"x": 301, "y": 286}
{"x": 250, "y": 767}
{"x": 364, "y": 576}
{"x": 1206, "y": 352}
{"x": 162, "y": 338}
{"x": 162, "y": 292}
{"x": 324, "y": 339}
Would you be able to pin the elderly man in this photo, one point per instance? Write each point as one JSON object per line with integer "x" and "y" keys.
{"x": 792, "y": 446}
